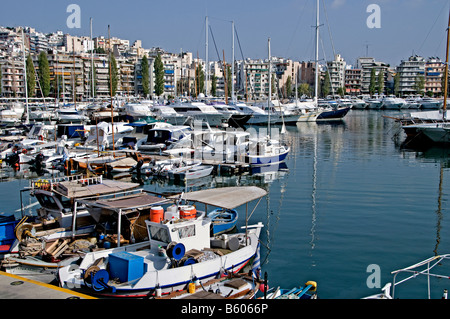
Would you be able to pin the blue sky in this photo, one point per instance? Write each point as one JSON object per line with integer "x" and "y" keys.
{"x": 407, "y": 26}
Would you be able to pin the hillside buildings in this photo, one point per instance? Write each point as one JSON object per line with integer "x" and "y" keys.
{"x": 79, "y": 69}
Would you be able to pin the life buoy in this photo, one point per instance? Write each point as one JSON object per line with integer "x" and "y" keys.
{"x": 313, "y": 284}
{"x": 41, "y": 138}
{"x": 24, "y": 151}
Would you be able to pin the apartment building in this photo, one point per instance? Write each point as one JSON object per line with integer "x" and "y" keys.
{"x": 434, "y": 72}
{"x": 352, "y": 81}
{"x": 254, "y": 79}
{"x": 366, "y": 64}
{"x": 409, "y": 71}
{"x": 336, "y": 71}
{"x": 12, "y": 81}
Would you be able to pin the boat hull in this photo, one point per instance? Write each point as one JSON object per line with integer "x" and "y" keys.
{"x": 168, "y": 279}
{"x": 333, "y": 115}
{"x": 261, "y": 160}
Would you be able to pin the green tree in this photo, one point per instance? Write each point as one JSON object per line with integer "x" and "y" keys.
{"x": 419, "y": 85}
{"x": 113, "y": 75}
{"x": 304, "y": 89}
{"x": 44, "y": 73}
{"x": 397, "y": 84}
{"x": 145, "y": 76}
{"x": 200, "y": 78}
{"x": 380, "y": 82}
{"x": 274, "y": 84}
{"x": 214, "y": 85}
{"x": 288, "y": 86}
{"x": 326, "y": 85}
{"x": 31, "y": 77}
{"x": 341, "y": 91}
{"x": 372, "y": 85}
{"x": 159, "y": 75}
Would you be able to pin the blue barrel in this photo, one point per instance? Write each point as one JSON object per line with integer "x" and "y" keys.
{"x": 189, "y": 261}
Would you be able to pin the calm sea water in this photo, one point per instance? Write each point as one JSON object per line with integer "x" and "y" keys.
{"x": 348, "y": 197}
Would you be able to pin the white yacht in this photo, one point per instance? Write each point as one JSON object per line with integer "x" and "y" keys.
{"x": 199, "y": 111}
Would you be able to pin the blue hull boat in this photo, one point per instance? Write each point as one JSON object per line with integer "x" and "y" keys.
{"x": 7, "y": 236}
{"x": 333, "y": 115}
{"x": 222, "y": 220}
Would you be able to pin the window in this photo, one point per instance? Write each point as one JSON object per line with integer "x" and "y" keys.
{"x": 187, "y": 231}
{"x": 159, "y": 233}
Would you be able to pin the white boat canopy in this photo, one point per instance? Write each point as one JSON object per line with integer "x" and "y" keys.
{"x": 225, "y": 197}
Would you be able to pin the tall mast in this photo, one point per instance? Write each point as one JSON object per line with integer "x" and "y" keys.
{"x": 25, "y": 78}
{"x": 206, "y": 57}
{"x": 110, "y": 87}
{"x": 270, "y": 87}
{"x": 316, "y": 89}
{"x": 446, "y": 73}
{"x": 74, "y": 90}
{"x": 92, "y": 65}
{"x": 232, "y": 62}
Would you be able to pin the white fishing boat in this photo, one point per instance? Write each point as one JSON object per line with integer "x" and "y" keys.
{"x": 181, "y": 249}
{"x": 35, "y": 237}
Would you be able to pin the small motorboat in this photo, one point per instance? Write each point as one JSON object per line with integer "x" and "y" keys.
{"x": 308, "y": 291}
{"x": 195, "y": 172}
{"x": 222, "y": 220}
{"x": 232, "y": 286}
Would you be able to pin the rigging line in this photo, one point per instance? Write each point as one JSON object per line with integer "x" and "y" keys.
{"x": 201, "y": 37}
{"x": 239, "y": 42}
{"x": 329, "y": 30}
{"x": 215, "y": 46}
{"x": 296, "y": 28}
{"x": 431, "y": 29}
{"x": 325, "y": 58}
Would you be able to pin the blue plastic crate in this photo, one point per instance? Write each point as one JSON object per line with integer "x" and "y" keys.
{"x": 126, "y": 266}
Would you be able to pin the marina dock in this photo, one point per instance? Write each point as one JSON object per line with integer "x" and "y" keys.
{"x": 16, "y": 287}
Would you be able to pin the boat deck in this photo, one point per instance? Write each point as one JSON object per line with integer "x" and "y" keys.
{"x": 16, "y": 287}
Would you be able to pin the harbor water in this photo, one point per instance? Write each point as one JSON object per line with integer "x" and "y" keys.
{"x": 349, "y": 197}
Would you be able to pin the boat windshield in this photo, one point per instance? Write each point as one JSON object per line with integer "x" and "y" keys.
{"x": 159, "y": 234}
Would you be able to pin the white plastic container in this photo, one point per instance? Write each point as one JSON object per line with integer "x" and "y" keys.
{"x": 171, "y": 213}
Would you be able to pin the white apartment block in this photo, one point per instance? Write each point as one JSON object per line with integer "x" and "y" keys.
{"x": 336, "y": 71}
{"x": 409, "y": 70}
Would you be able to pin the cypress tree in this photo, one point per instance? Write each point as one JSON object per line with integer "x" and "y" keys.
{"x": 31, "y": 77}
{"x": 159, "y": 75}
{"x": 372, "y": 82}
{"x": 145, "y": 76}
{"x": 44, "y": 73}
{"x": 380, "y": 86}
{"x": 214, "y": 85}
{"x": 113, "y": 76}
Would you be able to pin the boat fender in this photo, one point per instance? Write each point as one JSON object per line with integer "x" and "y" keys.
{"x": 191, "y": 288}
{"x": 313, "y": 284}
{"x": 158, "y": 291}
{"x": 175, "y": 250}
